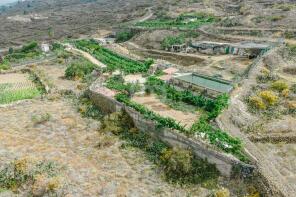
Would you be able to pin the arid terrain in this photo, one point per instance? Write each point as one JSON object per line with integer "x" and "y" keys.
{"x": 148, "y": 98}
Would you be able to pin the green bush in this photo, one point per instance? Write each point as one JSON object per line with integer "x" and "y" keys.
{"x": 124, "y": 36}
{"x": 79, "y": 69}
{"x": 29, "y": 47}
{"x": 279, "y": 85}
{"x": 169, "y": 41}
{"x": 181, "y": 166}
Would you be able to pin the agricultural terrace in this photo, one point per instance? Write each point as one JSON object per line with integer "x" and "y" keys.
{"x": 28, "y": 51}
{"x": 201, "y": 128}
{"x": 112, "y": 60}
{"x": 15, "y": 87}
{"x": 184, "y": 21}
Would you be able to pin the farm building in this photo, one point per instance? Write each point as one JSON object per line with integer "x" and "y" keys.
{"x": 201, "y": 83}
{"x": 249, "y": 49}
{"x": 45, "y": 47}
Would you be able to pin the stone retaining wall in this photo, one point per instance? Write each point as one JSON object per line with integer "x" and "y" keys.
{"x": 225, "y": 163}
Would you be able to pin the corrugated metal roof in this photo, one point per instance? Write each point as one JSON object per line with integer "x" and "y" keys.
{"x": 207, "y": 82}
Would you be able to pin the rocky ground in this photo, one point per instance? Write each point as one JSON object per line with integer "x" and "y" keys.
{"x": 94, "y": 164}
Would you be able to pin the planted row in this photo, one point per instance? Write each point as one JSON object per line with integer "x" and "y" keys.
{"x": 162, "y": 122}
{"x": 112, "y": 60}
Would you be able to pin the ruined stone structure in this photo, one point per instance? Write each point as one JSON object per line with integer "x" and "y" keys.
{"x": 248, "y": 49}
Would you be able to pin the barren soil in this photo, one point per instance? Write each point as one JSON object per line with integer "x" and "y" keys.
{"x": 95, "y": 165}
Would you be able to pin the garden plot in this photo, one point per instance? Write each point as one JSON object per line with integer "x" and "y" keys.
{"x": 16, "y": 86}
{"x": 153, "y": 103}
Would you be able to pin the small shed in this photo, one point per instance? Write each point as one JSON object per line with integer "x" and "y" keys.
{"x": 45, "y": 47}
{"x": 195, "y": 82}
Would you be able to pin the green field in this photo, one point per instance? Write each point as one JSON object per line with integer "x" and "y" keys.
{"x": 10, "y": 96}
{"x": 112, "y": 60}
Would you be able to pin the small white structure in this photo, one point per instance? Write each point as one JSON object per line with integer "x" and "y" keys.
{"x": 45, "y": 47}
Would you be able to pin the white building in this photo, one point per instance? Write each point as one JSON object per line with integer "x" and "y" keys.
{"x": 45, "y": 47}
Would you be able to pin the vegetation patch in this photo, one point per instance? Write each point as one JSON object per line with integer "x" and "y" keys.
{"x": 88, "y": 109}
{"x": 178, "y": 165}
{"x": 9, "y": 96}
{"x": 113, "y": 60}
{"x": 31, "y": 173}
{"x": 28, "y": 51}
{"x": 117, "y": 83}
{"x": 124, "y": 35}
{"x": 79, "y": 69}
{"x": 169, "y": 41}
{"x": 184, "y": 21}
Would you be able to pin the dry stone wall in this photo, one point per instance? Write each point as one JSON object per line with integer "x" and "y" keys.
{"x": 225, "y": 163}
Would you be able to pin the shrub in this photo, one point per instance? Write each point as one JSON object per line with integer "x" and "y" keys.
{"x": 23, "y": 171}
{"x": 88, "y": 109}
{"x": 41, "y": 118}
{"x": 124, "y": 36}
{"x": 269, "y": 97}
{"x": 29, "y": 47}
{"x": 257, "y": 103}
{"x": 5, "y": 65}
{"x": 285, "y": 93}
{"x": 222, "y": 193}
{"x": 169, "y": 41}
{"x": 279, "y": 85}
{"x": 177, "y": 161}
{"x": 181, "y": 166}
{"x": 79, "y": 69}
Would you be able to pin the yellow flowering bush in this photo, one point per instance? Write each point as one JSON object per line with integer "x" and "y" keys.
{"x": 269, "y": 97}
{"x": 257, "y": 103}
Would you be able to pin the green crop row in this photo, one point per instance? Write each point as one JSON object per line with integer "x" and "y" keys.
{"x": 112, "y": 60}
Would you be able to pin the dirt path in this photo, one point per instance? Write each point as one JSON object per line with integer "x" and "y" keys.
{"x": 86, "y": 55}
{"x": 95, "y": 164}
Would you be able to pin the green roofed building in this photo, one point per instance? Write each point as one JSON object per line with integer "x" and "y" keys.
{"x": 202, "y": 83}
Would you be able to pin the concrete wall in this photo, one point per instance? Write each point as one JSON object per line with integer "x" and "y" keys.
{"x": 225, "y": 163}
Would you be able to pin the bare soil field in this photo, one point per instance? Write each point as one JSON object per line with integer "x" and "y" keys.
{"x": 66, "y": 19}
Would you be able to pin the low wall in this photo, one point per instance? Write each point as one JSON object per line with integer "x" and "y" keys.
{"x": 225, "y": 163}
